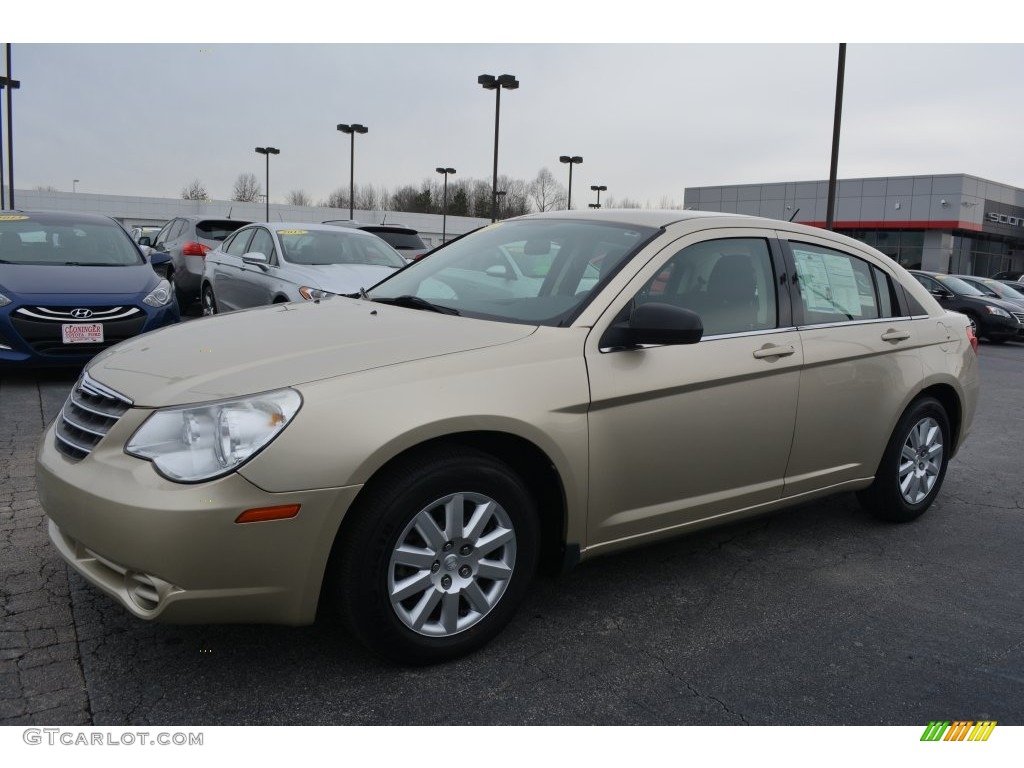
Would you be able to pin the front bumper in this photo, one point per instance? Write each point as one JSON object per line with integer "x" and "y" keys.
{"x": 173, "y": 553}
{"x": 38, "y": 343}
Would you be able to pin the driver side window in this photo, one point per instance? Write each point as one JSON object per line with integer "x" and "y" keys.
{"x": 729, "y": 283}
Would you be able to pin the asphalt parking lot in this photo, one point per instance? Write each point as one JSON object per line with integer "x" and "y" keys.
{"x": 818, "y": 615}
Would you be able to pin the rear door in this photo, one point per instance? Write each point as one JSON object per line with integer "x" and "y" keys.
{"x": 861, "y": 345}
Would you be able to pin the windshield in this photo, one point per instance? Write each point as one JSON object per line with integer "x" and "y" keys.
{"x": 539, "y": 271}
{"x": 1009, "y": 292}
{"x": 66, "y": 242}
{"x": 958, "y": 286}
{"x": 401, "y": 240}
{"x": 321, "y": 247}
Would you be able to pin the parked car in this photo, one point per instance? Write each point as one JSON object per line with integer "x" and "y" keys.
{"x": 187, "y": 240}
{"x": 994, "y": 319}
{"x": 996, "y": 289}
{"x": 405, "y": 240}
{"x": 1015, "y": 276}
{"x": 409, "y": 458}
{"x": 274, "y": 263}
{"x": 71, "y": 285}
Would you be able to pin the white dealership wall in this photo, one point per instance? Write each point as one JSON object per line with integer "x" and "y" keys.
{"x": 136, "y": 211}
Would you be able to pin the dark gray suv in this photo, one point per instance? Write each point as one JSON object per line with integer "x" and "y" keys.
{"x": 187, "y": 239}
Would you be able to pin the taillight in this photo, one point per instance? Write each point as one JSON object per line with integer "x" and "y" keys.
{"x": 972, "y": 338}
{"x": 194, "y": 249}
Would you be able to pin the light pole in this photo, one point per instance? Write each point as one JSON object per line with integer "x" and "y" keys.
{"x": 833, "y": 168}
{"x": 492, "y": 83}
{"x": 268, "y": 151}
{"x": 599, "y": 190}
{"x": 500, "y": 194}
{"x": 352, "y": 130}
{"x": 10, "y": 83}
{"x": 74, "y": 185}
{"x": 571, "y": 160}
{"x": 444, "y": 212}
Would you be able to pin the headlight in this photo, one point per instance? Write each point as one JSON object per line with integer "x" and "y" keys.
{"x": 4, "y": 301}
{"x": 314, "y": 294}
{"x": 160, "y": 295}
{"x": 997, "y": 311}
{"x": 200, "y": 442}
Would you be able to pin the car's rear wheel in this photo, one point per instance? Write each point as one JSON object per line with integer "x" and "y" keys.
{"x": 913, "y": 465}
{"x": 209, "y": 301}
{"x": 438, "y": 556}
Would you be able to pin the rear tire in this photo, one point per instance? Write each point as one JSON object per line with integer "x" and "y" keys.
{"x": 913, "y": 466}
{"x": 209, "y": 301}
{"x": 184, "y": 302}
{"x": 437, "y": 558}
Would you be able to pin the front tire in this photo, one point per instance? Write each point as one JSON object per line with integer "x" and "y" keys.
{"x": 438, "y": 556}
{"x": 913, "y": 465}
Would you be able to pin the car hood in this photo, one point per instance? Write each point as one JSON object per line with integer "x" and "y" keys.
{"x": 981, "y": 301}
{"x": 339, "y": 278}
{"x": 256, "y": 350}
{"x": 41, "y": 279}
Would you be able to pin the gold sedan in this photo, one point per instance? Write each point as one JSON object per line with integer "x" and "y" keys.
{"x": 544, "y": 390}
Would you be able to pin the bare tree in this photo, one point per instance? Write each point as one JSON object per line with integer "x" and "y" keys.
{"x": 628, "y": 202}
{"x": 404, "y": 199}
{"x": 668, "y": 204}
{"x": 546, "y": 193}
{"x": 47, "y": 188}
{"x": 247, "y": 188}
{"x": 336, "y": 199}
{"x": 516, "y": 200}
{"x": 194, "y": 191}
{"x": 298, "y": 197}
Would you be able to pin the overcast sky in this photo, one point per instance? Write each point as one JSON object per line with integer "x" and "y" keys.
{"x": 649, "y": 119}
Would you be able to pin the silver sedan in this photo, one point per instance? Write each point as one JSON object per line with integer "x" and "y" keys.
{"x": 275, "y": 263}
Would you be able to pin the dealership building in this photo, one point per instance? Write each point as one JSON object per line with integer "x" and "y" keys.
{"x": 949, "y": 223}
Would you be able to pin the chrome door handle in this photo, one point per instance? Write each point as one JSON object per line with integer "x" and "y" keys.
{"x": 894, "y": 335}
{"x": 771, "y": 350}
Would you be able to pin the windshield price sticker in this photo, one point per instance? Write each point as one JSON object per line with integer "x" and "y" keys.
{"x": 293, "y": 231}
{"x": 82, "y": 333}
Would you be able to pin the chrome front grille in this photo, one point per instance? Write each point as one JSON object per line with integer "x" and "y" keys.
{"x": 87, "y": 416}
{"x": 1020, "y": 317}
{"x": 77, "y": 315}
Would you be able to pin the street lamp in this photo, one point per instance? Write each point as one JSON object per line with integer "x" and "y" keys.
{"x": 10, "y": 84}
{"x": 599, "y": 190}
{"x": 444, "y": 212}
{"x": 492, "y": 83}
{"x": 74, "y": 185}
{"x": 500, "y": 194}
{"x": 268, "y": 151}
{"x": 352, "y": 130}
{"x": 571, "y": 160}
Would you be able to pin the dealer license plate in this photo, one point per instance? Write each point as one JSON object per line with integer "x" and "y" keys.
{"x": 82, "y": 333}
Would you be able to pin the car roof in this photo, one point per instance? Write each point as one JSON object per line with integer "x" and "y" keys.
{"x": 57, "y": 217}
{"x": 277, "y": 226}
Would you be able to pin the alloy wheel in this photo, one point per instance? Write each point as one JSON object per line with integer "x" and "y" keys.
{"x": 451, "y": 564}
{"x": 920, "y": 460}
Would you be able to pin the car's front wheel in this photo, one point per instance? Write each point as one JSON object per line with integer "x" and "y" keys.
{"x": 438, "y": 556}
{"x": 913, "y": 465}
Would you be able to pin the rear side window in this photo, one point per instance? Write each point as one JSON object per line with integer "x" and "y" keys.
{"x": 401, "y": 241}
{"x": 214, "y": 229}
{"x": 836, "y": 287}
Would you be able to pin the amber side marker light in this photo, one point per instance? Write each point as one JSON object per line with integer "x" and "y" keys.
{"x": 262, "y": 514}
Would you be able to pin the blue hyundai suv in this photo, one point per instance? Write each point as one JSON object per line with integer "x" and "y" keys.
{"x": 71, "y": 285}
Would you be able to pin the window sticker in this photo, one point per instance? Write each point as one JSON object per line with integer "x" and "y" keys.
{"x": 828, "y": 282}
{"x": 293, "y": 231}
{"x": 12, "y": 218}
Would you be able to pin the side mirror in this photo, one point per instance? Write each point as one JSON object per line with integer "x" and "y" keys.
{"x": 255, "y": 258}
{"x": 655, "y": 323}
{"x": 159, "y": 261}
{"x": 145, "y": 240}
{"x": 500, "y": 270}
{"x": 941, "y": 293}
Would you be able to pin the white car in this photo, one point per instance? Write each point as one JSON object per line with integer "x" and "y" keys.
{"x": 264, "y": 264}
